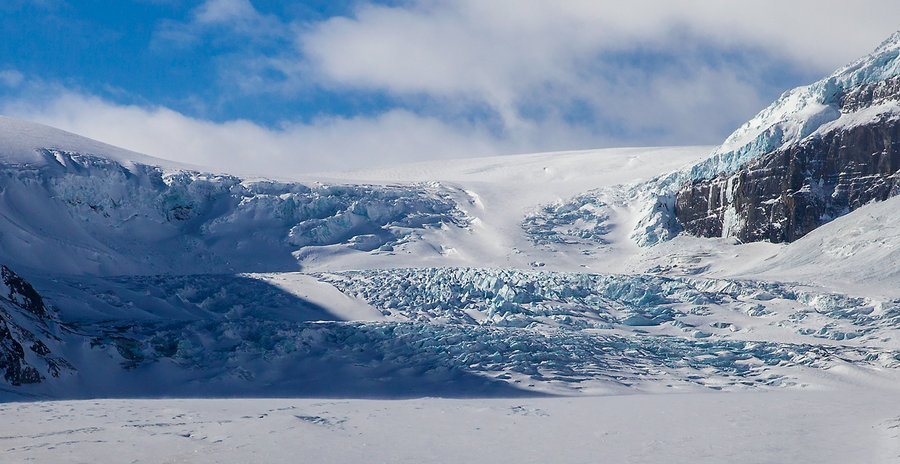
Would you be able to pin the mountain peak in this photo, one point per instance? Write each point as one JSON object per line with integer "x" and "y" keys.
{"x": 801, "y": 111}
{"x": 817, "y": 153}
{"x": 854, "y": 95}
{"x": 892, "y": 42}
{"x": 879, "y": 65}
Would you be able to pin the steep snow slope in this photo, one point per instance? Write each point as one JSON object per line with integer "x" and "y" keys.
{"x": 858, "y": 253}
{"x": 30, "y": 345}
{"x": 78, "y": 206}
{"x": 802, "y": 111}
{"x": 854, "y": 254}
{"x": 501, "y": 193}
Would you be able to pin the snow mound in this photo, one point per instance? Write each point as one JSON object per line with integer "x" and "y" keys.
{"x": 23, "y": 143}
{"x": 860, "y": 250}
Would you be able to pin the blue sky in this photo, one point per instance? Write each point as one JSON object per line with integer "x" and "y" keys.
{"x": 147, "y": 53}
{"x": 303, "y": 86}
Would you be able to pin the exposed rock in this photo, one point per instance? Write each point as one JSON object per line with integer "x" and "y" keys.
{"x": 870, "y": 94}
{"x": 25, "y": 321}
{"x": 20, "y": 292}
{"x": 786, "y": 193}
{"x": 12, "y": 359}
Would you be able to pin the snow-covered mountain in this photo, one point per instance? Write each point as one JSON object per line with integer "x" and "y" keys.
{"x": 830, "y": 103}
{"x": 127, "y": 275}
{"x": 430, "y": 279}
{"x": 767, "y": 264}
{"x": 817, "y": 152}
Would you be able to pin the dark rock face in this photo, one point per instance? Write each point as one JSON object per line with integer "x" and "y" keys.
{"x": 785, "y": 194}
{"x": 867, "y": 95}
{"x": 12, "y": 359}
{"x": 24, "y": 320}
{"x": 22, "y": 293}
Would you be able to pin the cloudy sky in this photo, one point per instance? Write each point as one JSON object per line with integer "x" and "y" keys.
{"x": 294, "y": 87}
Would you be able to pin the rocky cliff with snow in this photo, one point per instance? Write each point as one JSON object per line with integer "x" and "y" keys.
{"x": 27, "y": 331}
{"x": 817, "y": 153}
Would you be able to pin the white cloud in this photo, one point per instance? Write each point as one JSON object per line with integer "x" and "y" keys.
{"x": 11, "y": 78}
{"x": 472, "y": 45}
{"x": 469, "y": 77}
{"x": 238, "y": 17}
{"x": 225, "y": 11}
{"x": 519, "y": 58}
{"x": 512, "y": 55}
{"x": 247, "y": 148}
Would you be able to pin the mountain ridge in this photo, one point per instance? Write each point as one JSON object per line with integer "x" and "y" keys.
{"x": 800, "y": 162}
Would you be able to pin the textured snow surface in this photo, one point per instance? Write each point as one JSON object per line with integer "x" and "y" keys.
{"x": 820, "y": 427}
{"x": 459, "y": 332}
{"x": 75, "y": 213}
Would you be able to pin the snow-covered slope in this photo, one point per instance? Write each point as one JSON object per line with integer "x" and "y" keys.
{"x": 92, "y": 209}
{"x": 859, "y": 252}
{"x": 24, "y": 143}
{"x": 511, "y": 194}
{"x": 73, "y": 206}
{"x": 438, "y": 278}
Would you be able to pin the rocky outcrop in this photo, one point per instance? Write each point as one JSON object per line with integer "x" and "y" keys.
{"x": 21, "y": 293}
{"x": 26, "y": 329}
{"x": 784, "y": 194}
{"x": 867, "y": 95}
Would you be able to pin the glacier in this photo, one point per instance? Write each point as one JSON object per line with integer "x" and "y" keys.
{"x": 447, "y": 330}
{"x": 514, "y": 289}
{"x": 77, "y": 213}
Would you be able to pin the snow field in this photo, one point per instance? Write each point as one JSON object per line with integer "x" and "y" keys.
{"x": 774, "y": 427}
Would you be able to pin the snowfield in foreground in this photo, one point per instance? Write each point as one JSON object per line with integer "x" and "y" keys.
{"x": 752, "y": 428}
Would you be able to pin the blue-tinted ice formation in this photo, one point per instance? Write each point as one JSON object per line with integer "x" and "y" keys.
{"x": 77, "y": 213}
